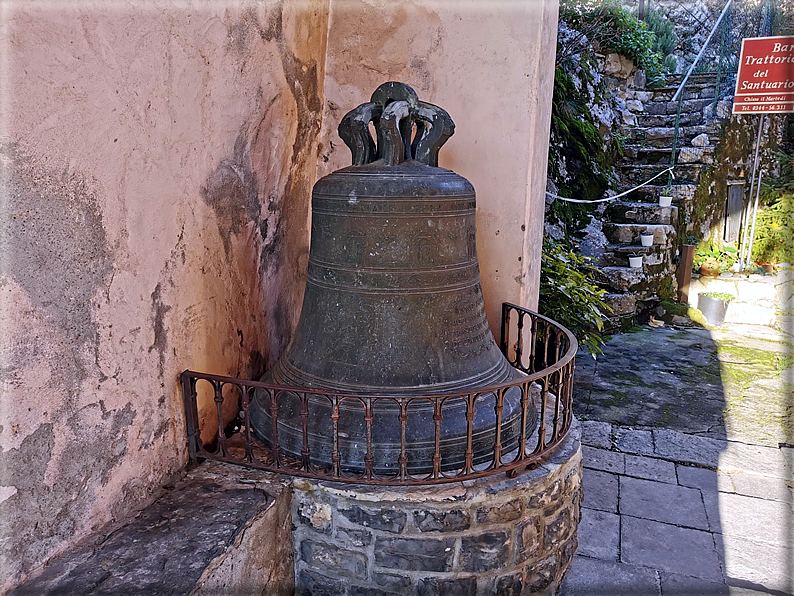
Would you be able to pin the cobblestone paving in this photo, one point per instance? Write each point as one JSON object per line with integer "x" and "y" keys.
{"x": 688, "y": 481}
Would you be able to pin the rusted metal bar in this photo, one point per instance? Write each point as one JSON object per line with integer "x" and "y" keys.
{"x": 556, "y": 378}
{"x": 191, "y": 418}
{"x": 218, "y": 387}
{"x": 245, "y": 406}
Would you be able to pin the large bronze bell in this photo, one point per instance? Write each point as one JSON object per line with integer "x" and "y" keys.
{"x": 393, "y": 303}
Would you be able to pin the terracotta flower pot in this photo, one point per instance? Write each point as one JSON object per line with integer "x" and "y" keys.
{"x": 710, "y": 267}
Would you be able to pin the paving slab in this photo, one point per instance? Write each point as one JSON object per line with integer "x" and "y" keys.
{"x": 756, "y": 459}
{"x": 685, "y": 448}
{"x": 669, "y": 548}
{"x": 639, "y": 442}
{"x": 599, "y": 534}
{"x": 695, "y": 477}
{"x": 600, "y": 490}
{"x": 601, "y": 459}
{"x": 651, "y": 469}
{"x": 594, "y": 577}
{"x": 766, "y": 567}
{"x": 764, "y": 487}
{"x": 662, "y": 502}
{"x": 595, "y": 433}
{"x": 681, "y": 585}
{"x": 749, "y": 517}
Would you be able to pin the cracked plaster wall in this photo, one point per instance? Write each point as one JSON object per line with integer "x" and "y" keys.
{"x": 493, "y": 71}
{"x": 156, "y": 161}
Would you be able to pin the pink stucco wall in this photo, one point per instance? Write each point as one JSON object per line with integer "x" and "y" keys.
{"x": 156, "y": 160}
{"x": 491, "y": 66}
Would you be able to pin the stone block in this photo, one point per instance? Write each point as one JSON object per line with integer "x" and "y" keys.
{"x": 557, "y": 529}
{"x": 601, "y": 459}
{"x": 415, "y": 554}
{"x": 399, "y": 584}
{"x": 353, "y": 536}
{"x": 202, "y": 536}
{"x": 541, "y": 574}
{"x": 600, "y": 490}
{"x": 591, "y": 577}
{"x": 485, "y": 551}
{"x": 528, "y": 539}
{"x": 670, "y": 548}
{"x": 542, "y": 500}
{"x": 599, "y": 534}
{"x": 442, "y": 521}
{"x": 634, "y": 105}
{"x": 650, "y": 468}
{"x": 315, "y": 514}
{"x": 316, "y": 584}
{"x": 459, "y": 586}
{"x": 321, "y": 555}
{"x": 499, "y": 514}
{"x": 662, "y": 502}
{"x": 378, "y": 519}
{"x": 509, "y": 585}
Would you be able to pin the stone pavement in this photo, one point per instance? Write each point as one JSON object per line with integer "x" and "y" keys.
{"x": 687, "y": 488}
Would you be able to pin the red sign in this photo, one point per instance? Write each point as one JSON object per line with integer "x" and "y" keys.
{"x": 765, "y": 82}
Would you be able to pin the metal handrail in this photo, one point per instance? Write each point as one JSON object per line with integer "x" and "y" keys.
{"x": 547, "y": 386}
{"x": 702, "y": 50}
{"x": 679, "y": 94}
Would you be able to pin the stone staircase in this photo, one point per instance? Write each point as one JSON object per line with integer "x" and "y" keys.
{"x": 647, "y": 151}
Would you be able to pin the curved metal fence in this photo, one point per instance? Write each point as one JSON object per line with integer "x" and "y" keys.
{"x": 543, "y": 352}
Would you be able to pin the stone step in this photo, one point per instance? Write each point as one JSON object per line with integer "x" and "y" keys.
{"x": 628, "y": 233}
{"x": 642, "y": 154}
{"x": 654, "y": 120}
{"x": 641, "y": 212}
{"x": 650, "y": 193}
{"x": 671, "y": 107}
{"x": 642, "y": 282}
{"x": 618, "y": 256}
{"x": 704, "y": 91}
{"x": 621, "y": 304}
{"x": 633, "y": 174}
{"x": 662, "y": 136}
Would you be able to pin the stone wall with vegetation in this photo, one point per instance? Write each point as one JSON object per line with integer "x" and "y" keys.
{"x": 491, "y": 536}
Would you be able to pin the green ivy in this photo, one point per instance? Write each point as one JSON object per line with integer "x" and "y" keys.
{"x": 617, "y": 29}
{"x": 569, "y": 296}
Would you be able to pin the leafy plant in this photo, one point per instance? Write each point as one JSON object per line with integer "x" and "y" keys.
{"x": 614, "y": 28}
{"x": 719, "y": 296}
{"x": 569, "y": 296}
{"x": 690, "y": 240}
{"x": 664, "y": 31}
{"x": 774, "y": 234}
{"x": 726, "y": 256}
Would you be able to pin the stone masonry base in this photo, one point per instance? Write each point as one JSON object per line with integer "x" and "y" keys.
{"x": 490, "y": 536}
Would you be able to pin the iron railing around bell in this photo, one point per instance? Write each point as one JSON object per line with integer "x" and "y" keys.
{"x": 534, "y": 345}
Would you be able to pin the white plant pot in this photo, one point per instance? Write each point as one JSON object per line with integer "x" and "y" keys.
{"x": 646, "y": 239}
{"x": 665, "y": 200}
{"x": 635, "y": 262}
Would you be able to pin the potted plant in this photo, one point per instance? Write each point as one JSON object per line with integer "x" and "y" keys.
{"x": 646, "y": 239}
{"x": 711, "y": 260}
{"x": 714, "y": 305}
{"x": 635, "y": 260}
{"x": 666, "y": 198}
